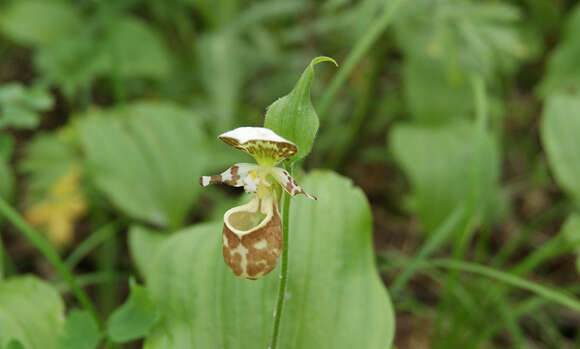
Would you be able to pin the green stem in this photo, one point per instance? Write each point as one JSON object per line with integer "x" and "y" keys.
{"x": 559, "y": 209}
{"x": 107, "y": 260}
{"x": 284, "y": 269}
{"x": 1, "y": 259}
{"x": 96, "y": 278}
{"x": 556, "y": 246}
{"x": 100, "y": 236}
{"x": 368, "y": 39}
{"x": 480, "y": 101}
{"x": 357, "y": 120}
{"x": 560, "y": 296}
{"x": 50, "y": 254}
{"x": 473, "y": 205}
{"x": 552, "y": 248}
{"x": 437, "y": 238}
{"x": 548, "y": 293}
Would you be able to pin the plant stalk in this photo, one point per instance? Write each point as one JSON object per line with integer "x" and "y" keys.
{"x": 284, "y": 268}
{"x": 50, "y": 254}
{"x": 1, "y": 259}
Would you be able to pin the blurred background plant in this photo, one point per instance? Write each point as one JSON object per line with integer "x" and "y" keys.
{"x": 460, "y": 121}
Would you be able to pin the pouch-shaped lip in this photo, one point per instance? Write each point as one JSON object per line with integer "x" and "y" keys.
{"x": 255, "y": 206}
{"x": 252, "y": 249}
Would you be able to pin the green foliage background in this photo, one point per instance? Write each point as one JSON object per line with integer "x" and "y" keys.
{"x": 444, "y": 149}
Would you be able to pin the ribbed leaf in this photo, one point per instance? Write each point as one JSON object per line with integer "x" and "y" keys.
{"x": 562, "y": 69}
{"x": 147, "y": 158}
{"x": 31, "y": 312}
{"x": 561, "y": 137}
{"x": 432, "y": 95}
{"x": 39, "y": 22}
{"x": 447, "y": 166}
{"x": 137, "y": 50}
{"x": 335, "y": 297}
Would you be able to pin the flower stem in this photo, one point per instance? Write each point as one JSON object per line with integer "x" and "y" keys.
{"x": 1, "y": 259}
{"x": 50, "y": 254}
{"x": 284, "y": 268}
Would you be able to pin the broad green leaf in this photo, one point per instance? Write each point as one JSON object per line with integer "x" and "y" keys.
{"x": 293, "y": 116}
{"x": 433, "y": 95}
{"x": 560, "y": 131}
{"x": 147, "y": 158}
{"x": 222, "y": 72}
{"x": 335, "y": 296}
{"x": 39, "y": 22}
{"x": 127, "y": 49}
{"x": 31, "y": 312}
{"x": 80, "y": 331}
{"x": 73, "y": 64}
{"x": 133, "y": 319}
{"x": 447, "y": 166}
{"x": 563, "y": 71}
{"x": 469, "y": 37}
{"x": 136, "y": 50}
{"x": 143, "y": 244}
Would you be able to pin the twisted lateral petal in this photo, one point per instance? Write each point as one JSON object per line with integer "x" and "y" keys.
{"x": 263, "y": 144}
{"x": 288, "y": 183}
{"x": 233, "y": 176}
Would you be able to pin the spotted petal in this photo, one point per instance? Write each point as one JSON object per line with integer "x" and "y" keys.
{"x": 288, "y": 183}
{"x": 263, "y": 144}
{"x": 234, "y": 176}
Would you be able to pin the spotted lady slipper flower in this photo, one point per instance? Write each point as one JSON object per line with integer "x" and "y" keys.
{"x": 252, "y": 233}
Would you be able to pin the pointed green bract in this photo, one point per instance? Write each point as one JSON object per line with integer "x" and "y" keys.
{"x": 293, "y": 116}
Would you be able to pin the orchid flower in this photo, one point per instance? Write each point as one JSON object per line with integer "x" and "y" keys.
{"x": 252, "y": 234}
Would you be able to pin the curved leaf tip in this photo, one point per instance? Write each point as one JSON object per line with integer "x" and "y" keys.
{"x": 321, "y": 59}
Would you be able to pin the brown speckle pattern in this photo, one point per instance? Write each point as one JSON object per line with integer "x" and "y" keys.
{"x": 256, "y": 254}
{"x": 290, "y": 184}
{"x": 262, "y": 148}
{"x": 233, "y": 176}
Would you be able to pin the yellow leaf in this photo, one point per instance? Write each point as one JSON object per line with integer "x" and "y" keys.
{"x": 64, "y": 205}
